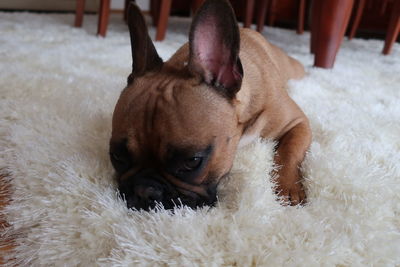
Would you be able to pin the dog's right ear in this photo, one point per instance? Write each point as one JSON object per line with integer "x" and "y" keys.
{"x": 214, "y": 44}
{"x": 144, "y": 54}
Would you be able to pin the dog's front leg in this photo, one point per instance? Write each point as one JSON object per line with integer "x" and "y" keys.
{"x": 290, "y": 154}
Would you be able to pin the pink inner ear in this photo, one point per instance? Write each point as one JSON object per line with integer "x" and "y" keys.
{"x": 213, "y": 55}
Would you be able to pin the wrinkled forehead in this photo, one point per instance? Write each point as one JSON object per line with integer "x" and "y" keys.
{"x": 185, "y": 101}
{"x": 175, "y": 111}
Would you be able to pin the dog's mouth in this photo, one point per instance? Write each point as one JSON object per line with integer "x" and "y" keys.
{"x": 133, "y": 201}
{"x": 147, "y": 194}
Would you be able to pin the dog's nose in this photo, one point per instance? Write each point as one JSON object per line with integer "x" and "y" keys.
{"x": 149, "y": 193}
{"x": 144, "y": 190}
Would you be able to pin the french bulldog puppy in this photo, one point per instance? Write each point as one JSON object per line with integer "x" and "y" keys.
{"x": 178, "y": 124}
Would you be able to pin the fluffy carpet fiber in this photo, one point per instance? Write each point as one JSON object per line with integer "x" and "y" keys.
{"x": 58, "y": 88}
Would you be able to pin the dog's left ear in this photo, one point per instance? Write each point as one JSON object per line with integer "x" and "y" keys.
{"x": 144, "y": 55}
{"x": 214, "y": 43}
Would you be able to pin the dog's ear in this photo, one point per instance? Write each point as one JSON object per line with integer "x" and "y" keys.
{"x": 144, "y": 54}
{"x": 214, "y": 43}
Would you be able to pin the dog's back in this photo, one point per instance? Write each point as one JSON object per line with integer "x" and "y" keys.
{"x": 260, "y": 59}
{"x": 268, "y": 56}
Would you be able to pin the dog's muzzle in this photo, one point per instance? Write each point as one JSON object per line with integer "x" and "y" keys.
{"x": 147, "y": 188}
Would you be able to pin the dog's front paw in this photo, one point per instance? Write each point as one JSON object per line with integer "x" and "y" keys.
{"x": 291, "y": 193}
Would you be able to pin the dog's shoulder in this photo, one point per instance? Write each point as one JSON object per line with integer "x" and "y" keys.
{"x": 266, "y": 55}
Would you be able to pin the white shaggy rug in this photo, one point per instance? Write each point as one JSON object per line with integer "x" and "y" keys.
{"x": 58, "y": 87}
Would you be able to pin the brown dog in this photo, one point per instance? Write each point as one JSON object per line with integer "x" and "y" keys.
{"x": 177, "y": 125}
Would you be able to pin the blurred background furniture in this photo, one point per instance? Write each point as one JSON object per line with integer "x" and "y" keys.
{"x": 160, "y": 13}
{"x": 370, "y": 18}
{"x": 47, "y": 5}
{"x": 393, "y": 29}
{"x": 264, "y": 6}
{"x": 329, "y": 22}
{"x": 329, "y": 19}
{"x": 162, "y": 9}
{"x": 104, "y": 13}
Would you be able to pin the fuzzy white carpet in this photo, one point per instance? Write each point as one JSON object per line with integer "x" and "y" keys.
{"x": 58, "y": 88}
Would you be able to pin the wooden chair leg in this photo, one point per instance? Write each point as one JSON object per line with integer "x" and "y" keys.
{"x": 103, "y": 17}
{"x": 272, "y": 13}
{"x": 393, "y": 29}
{"x": 333, "y": 20}
{"x": 383, "y": 7}
{"x": 262, "y": 11}
{"x": 163, "y": 19}
{"x": 80, "y": 9}
{"x": 370, "y": 4}
{"x": 315, "y": 18}
{"x": 300, "y": 20}
{"x": 248, "y": 16}
{"x": 155, "y": 11}
{"x": 357, "y": 18}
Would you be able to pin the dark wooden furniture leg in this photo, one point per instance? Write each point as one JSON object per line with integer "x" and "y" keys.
{"x": 300, "y": 19}
{"x": 357, "y": 18}
{"x": 272, "y": 13}
{"x": 331, "y": 25}
{"x": 80, "y": 9}
{"x": 103, "y": 17}
{"x": 248, "y": 16}
{"x": 155, "y": 11}
{"x": 393, "y": 29}
{"x": 315, "y": 18}
{"x": 262, "y": 11}
{"x": 384, "y": 6}
{"x": 163, "y": 19}
{"x": 164, "y": 9}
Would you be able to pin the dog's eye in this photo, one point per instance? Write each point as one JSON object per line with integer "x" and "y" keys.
{"x": 120, "y": 163}
{"x": 193, "y": 163}
{"x": 116, "y": 158}
{"x": 187, "y": 163}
